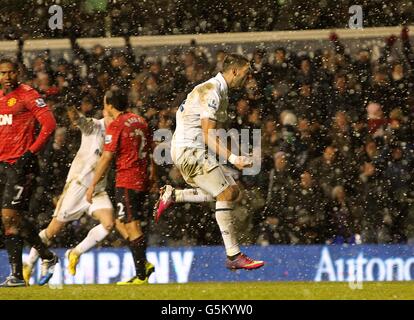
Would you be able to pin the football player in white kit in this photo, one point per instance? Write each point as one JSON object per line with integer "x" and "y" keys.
{"x": 197, "y": 117}
{"x": 72, "y": 204}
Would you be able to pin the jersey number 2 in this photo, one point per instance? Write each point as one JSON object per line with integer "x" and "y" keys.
{"x": 142, "y": 144}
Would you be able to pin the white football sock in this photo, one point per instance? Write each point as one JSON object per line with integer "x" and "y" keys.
{"x": 193, "y": 195}
{"x": 44, "y": 238}
{"x": 33, "y": 256}
{"x": 225, "y": 222}
{"x": 95, "y": 235}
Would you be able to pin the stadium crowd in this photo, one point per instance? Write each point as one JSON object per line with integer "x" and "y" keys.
{"x": 337, "y": 142}
{"x": 100, "y": 18}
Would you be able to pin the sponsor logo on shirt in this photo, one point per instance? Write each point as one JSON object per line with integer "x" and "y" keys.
{"x": 40, "y": 103}
{"x": 108, "y": 138}
{"x": 11, "y": 102}
{"x": 6, "y": 119}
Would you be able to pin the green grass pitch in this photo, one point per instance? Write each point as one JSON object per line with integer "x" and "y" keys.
{"x": 217, "y": 291}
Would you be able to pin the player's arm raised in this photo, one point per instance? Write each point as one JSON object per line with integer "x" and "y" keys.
{"x": 86, "y": 125}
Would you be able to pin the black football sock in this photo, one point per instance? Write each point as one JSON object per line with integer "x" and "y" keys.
{"x": 30, "y": 234}
{"x": 14, "y": 247}
{"x": 138, "y": 249}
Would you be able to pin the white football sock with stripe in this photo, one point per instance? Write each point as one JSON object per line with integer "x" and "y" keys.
{"x": 95, "y": 235}
{"x": 34, "y": 255}
{"x": 225, "y": 222}
{"x": 44, "y": 238}
{"x": 193, "y": 195}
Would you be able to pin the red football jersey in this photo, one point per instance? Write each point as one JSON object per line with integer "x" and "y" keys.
{"x": 129, "y": 137}
{"x": 19, "y": 111}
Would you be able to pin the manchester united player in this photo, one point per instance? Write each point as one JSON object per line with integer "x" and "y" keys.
{"x": 20, "y": 108}
{"x": 129, "y": 140}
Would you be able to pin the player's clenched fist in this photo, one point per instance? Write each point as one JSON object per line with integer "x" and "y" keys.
{"x": 240, "y": 162}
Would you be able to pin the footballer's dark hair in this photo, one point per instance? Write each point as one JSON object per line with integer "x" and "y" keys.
{"x": 117, "y": 98}
{"x": 234, "y": 60}
{"x": 10, "y": 61}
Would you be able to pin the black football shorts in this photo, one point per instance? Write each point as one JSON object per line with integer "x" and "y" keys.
{"x": 15, "y": 189}
{"x": 131, "y": 204}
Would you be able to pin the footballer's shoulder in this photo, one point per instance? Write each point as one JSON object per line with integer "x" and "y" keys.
{"x": 204, "y": 89}
{"x": 142, "y": 119}
{"x": 27, "y": 91}
{"x": 206, "y": 86}
{"x": 25, "y": 87}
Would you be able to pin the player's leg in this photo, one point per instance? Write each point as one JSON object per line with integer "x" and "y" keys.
{"x": 70, "y": 207}
{"x": 170, "y": 195}
{"x": 130, "y": 204}
{"x": 226, "y": 192}
{"x": 12, "y": 240}
{"x": 16, "y": 195}
{"x": 222, "y": 186}
{"x": 97, "y": 233}
{"x": 73, "y": 206}
{"x": 196, "y": 195}
{"x": 54, "y": 228}
{"x": 14, "y": 247}
{"x": 47, "y": 236}
{"x": 190, "y": 162}
{"x": 122, "y": 229}
{"x": 137, "y": 244}
{"x": 101, "y": 209}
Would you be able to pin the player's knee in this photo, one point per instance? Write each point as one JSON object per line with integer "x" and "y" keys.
{"x": 108, "y": 225}
{"x": 10, "y": 221}
{"x": 235, "y": 191}
{"x": 230, "y": 194}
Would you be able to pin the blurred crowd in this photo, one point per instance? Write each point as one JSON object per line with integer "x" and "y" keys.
{"x": 337, "y": 139}
{"x": 100, "y": 18}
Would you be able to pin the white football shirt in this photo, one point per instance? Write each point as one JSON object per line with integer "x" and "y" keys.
{"x": 86, "y": 159}
{"x": 207, "y": 100}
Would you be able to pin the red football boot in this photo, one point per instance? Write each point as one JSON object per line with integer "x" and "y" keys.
{"x": 243, "y": 262}
{"x": 164, "y": 202}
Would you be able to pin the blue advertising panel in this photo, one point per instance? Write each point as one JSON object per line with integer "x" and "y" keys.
{"x": 201, "y": 264}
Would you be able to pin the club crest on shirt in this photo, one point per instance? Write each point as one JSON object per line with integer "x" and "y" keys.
{"x": 11, "y": 102}
{"x": 40, "y": 103}
{"x": 108, "y": 138}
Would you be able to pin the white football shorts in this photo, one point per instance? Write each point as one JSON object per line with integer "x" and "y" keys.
{"x": 201, "y": 171}
{"x": 72, "y": 204}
